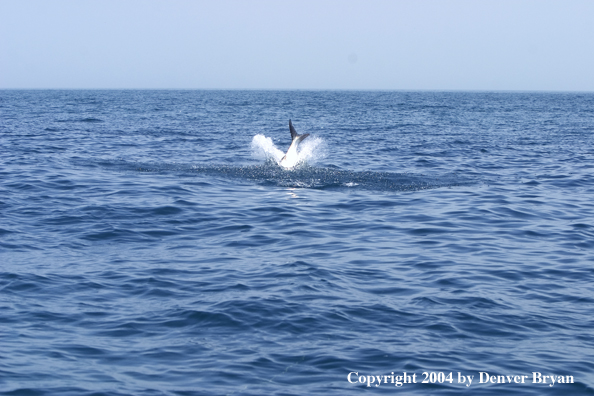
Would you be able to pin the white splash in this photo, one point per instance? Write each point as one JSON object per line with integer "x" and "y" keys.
{"x": 310, "y": 150}
{"x": 264, "y": 148}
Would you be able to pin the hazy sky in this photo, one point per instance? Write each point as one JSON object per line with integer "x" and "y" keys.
{"x": 285, "y": 44}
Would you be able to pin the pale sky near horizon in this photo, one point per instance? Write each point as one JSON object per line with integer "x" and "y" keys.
{"x": 527, "y": 45}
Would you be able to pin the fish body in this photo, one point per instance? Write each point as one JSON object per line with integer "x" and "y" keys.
{"x": 291, "y": 158}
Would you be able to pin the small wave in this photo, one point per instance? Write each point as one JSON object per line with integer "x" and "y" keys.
{"x": 88, "y": 119}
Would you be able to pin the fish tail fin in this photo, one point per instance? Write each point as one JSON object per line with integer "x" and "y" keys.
{"x": 295, "y": 135}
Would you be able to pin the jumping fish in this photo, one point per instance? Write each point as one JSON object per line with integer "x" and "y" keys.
{"x": 291, "y": 158}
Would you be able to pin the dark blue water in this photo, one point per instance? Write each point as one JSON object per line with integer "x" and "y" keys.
{"x": 150, "y": 245}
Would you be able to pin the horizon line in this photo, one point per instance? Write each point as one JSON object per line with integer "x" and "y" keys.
{"x": 308, "y": 90}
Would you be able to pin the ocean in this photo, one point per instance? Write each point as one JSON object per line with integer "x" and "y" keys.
{"x": 428, "y": 243}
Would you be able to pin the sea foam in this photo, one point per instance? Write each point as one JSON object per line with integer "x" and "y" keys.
{"x": 310, "y": 150}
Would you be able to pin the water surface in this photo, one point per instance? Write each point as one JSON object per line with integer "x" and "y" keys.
{"x": 150, "y": 245}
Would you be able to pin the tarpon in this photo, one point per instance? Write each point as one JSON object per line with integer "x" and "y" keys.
{"x": 291, "y": 158}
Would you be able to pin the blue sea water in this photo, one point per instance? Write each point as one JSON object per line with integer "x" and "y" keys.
{"x": 150, "y": 244}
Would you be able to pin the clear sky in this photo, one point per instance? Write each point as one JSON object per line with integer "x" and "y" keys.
{"x": 298, "y": 44}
